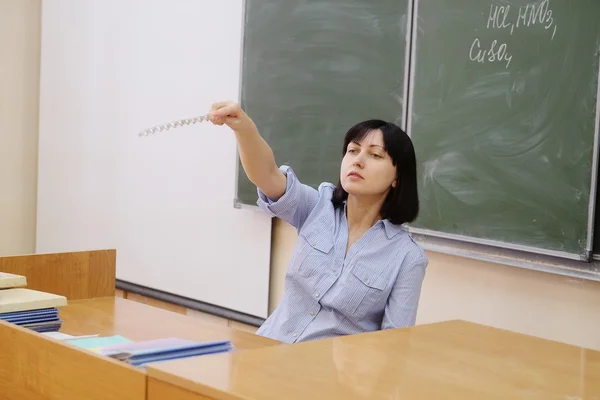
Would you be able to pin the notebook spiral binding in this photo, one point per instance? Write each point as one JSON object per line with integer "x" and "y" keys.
{"x": 174, "y": 124}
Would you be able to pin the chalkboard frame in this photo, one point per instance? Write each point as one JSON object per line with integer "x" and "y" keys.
{"x": 592, "y": 214}
{"x": 596, "y": 221}
{"x": 590, "y": 252}
{"x": 236, "y": 202}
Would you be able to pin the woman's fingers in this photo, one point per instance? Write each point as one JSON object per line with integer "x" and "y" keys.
{"x": 229, "y": 113}
{"x": 224, "y": 109}
{"x": 217, "y": 120}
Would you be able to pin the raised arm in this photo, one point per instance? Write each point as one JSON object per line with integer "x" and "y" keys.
{"x": 280, "y": 195}
{"x": 255, "y": 154}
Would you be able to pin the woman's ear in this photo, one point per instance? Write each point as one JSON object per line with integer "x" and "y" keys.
{"x": 394, "y": 183}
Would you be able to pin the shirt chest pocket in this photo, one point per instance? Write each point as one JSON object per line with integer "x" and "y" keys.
{"x": 364, "y": 292}
{"x": 313, "y": 253}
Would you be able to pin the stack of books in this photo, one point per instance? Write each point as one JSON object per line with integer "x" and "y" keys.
{"x": 143, "y": 352}
{"x": 32, "y": 309}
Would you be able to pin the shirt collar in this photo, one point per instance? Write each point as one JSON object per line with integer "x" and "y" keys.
{"x": 391, "y": 230}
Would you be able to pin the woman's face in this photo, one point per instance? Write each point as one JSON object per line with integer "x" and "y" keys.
{"x": 367, "y": 169}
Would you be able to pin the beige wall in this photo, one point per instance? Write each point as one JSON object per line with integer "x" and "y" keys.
{"x": 536, "y": 303}
{"x": 19, "y": 93}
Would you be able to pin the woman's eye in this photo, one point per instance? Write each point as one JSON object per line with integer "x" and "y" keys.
{"x": 351, "y": 151}
{"x": 377, "y": 155}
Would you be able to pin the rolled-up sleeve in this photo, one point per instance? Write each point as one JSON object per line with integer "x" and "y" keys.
{"x": 296, "y": 203}
{"x": 403, "y": 302}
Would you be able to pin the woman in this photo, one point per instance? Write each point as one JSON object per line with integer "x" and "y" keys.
{"x": 354, "y": 268}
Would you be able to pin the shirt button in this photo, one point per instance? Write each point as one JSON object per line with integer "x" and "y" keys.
{"x": 294, "y": 334}
{"x": 366, "y": 281}
{"x": 312, "y": 314}
{"x": 316, "y": 294}
{"x": 313, "y": 244}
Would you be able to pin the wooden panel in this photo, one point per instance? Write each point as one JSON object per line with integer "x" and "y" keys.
{"x": 137, "y": 321}
{"x": 159, "y": 390}
{"x": 454, "y": 359}
{"x": 102, "y": 273}
{"x": 34, "y": 367}
{"x": 11, "y": 391}
{"x": 156, "y": 303}
{"x": 243, "y": 327}
{"x": 78, "y": 275}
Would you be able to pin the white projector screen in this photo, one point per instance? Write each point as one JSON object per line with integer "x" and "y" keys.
{"x": 109, "y": 70}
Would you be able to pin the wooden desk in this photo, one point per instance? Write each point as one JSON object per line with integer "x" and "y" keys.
{"x": 449, "y": 360}
{"x": 116, "y": 316}
{"x": 35, "y": 367}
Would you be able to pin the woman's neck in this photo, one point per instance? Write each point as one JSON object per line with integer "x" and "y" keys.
{"x": 362, "y": 213}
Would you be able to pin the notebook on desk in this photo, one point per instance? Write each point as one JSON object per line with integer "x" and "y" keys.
{"x": 144, "y": 352}
{"x": 42, "y": 320}
{"x": 98, "y": 342}
{"x": 8, "y": 281}
{"x": 24, "y": 317}
{"x": 20, "y": 299}
{"x": 31, "y": 309}
{"x": 44, "y": 326}
{"x": 42, "y": 312}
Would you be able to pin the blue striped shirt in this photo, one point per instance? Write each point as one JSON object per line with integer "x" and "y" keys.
{"x": 327, "y": 293}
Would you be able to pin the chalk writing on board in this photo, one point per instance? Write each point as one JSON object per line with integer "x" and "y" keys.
{"x": 505, "y": 17}
{"x": 494, "y": 53}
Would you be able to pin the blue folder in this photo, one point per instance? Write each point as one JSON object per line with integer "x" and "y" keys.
{"x": 40, "y": 320}
{"x": 142, "y": 353}
{"x": 140, "y": 360}
{"x": 28, "y": 320}
{"x": 30, "y": 313}
{"x": 53, "y": 326}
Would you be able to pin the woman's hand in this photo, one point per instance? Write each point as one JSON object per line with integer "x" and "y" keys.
{"x": 231, "y": 114}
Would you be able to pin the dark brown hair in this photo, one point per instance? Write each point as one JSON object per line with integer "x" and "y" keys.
{"x": 402, "y": 202}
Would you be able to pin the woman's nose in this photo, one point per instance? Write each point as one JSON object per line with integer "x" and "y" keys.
{"x": 359, "y": 160}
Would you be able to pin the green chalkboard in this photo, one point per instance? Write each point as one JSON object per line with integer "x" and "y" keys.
{"x": 312, "y": 69}
{"x": 503, "y": 113}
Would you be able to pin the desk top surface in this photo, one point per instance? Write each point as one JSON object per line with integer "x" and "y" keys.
{"x": 116, "y": 316}
{"x": 455, "y": 359}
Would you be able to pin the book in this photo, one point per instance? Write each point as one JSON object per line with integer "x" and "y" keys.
{"x": 40, "y": 313}
{"x": 47, "y": 326}
{"x": 20, "y": 299}
{"x": 143, "y": 352}
{"x": 95, "y": 343}
{"x": 9, "y": 281}
{"x": 42, "y": 320}
{"x": 65, "y": 336}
